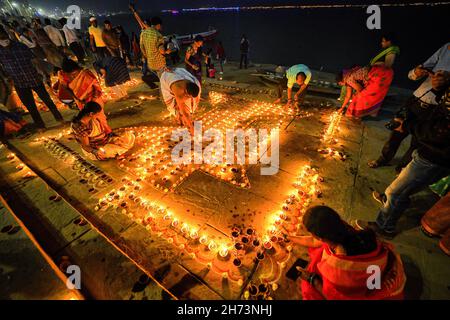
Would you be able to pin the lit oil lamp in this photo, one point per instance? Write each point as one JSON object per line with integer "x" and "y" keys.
{"x": 223, "y": 252}
{"x": 212, "y": 245}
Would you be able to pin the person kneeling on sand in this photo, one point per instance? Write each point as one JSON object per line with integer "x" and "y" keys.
{"x": 181, "y": 93}
{"x": 94, "y": 139}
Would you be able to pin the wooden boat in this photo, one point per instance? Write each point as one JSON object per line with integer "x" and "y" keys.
{"x": 189, "y": 38}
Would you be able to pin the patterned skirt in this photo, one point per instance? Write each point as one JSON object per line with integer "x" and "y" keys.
{"x": 368, "y": 101}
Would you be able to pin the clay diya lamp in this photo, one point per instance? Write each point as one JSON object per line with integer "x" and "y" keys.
{"x": 260, "y": 256}
{"x": 262, "y": 288}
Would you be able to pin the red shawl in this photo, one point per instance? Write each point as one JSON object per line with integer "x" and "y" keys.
{"x": 345, "y": 277}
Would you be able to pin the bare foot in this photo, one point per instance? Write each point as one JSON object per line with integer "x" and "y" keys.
{"x": 277, "y": 101}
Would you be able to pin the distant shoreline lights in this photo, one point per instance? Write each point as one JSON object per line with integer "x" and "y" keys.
{"x": 173, "y": 11}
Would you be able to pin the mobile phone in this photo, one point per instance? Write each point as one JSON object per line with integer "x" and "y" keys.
{"x": 293, "y": 273}
{"x": 429, "y": 71}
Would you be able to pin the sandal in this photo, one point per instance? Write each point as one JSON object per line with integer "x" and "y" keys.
{"x": 374, "y": 164}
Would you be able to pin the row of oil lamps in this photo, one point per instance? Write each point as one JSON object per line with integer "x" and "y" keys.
{"x": 329, "y": 138}
{"x": 89, "y": 173}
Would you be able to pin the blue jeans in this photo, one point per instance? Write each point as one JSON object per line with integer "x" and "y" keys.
{"x": 418, "y": 174}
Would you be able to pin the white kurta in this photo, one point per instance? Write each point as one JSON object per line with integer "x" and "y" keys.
{"x": 167, "y": 79}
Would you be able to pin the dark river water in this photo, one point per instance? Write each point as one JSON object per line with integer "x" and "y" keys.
{"x": 325, "y": 38}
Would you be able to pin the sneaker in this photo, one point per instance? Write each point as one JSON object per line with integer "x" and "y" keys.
{"x": 379, "y": 197}
{"x": 362, "y": 225}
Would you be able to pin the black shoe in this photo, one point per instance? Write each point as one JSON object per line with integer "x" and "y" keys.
{"x": 363, "y": 225}
{"x": 379, "y": 197}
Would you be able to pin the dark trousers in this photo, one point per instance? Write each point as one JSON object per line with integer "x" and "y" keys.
{"x": 127, "y": 57}
{"x": 78, "y": 51}
{"x": 175, "y": 57}
{"x": 27, "y": 98}
{"x": 244, "y": 60}
{"x": 391, "y": 146}
{"x": 150, "y": 77}
{"x": 100, "y": 53}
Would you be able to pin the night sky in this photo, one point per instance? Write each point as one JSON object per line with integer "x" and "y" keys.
{"x": 156, "y": 5}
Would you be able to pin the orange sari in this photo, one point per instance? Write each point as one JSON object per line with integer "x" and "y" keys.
{"x": 345, "y": 277}
{"x": 83, "y": 85}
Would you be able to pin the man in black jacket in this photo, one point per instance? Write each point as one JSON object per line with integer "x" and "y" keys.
{"x": 430, "y": 163}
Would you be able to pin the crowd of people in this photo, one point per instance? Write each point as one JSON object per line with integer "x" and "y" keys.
{"x": 32, "y": 52}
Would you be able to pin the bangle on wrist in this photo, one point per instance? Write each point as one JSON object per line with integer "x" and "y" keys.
{"x": 311, "y": 278}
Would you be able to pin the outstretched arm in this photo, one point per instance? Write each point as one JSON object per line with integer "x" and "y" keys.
{"x": 299, "y": 92}
{"x": 138, "y": 18}
{"x": 348, "y": 96}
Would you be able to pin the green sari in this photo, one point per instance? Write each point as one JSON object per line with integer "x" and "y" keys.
{"x": 385, "y": 52}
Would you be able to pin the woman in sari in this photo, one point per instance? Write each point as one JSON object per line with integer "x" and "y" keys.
{"x": 193, "y": 58}
{"x": 341, "y": 258}
{"x": 385, "y": 57}
{"x": 80, "y": 84}
{"x": 366, "y": 87}
{"x": 95, "y": 140}
{"x": 388, "y": 53}
{"x": 436, "y": 222}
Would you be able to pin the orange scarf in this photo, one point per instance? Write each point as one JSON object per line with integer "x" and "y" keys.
{"x": 85, "y": 86}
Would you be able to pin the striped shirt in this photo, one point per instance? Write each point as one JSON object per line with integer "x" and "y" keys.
{"x": 116, "y": 70}
{"x": 291, "y": 74}
{"x": 151, "y": 40}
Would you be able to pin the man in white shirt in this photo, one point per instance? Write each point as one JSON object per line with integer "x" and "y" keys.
{"x": 72, "y": 40}
{"x": 439, "y": 61}
{"x": 181, "y": 93}
{"x": 436, "y": 69}
{"x": 54, "y": 34}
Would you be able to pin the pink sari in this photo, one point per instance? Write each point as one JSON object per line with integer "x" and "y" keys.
{"x": 369, "y": 100}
